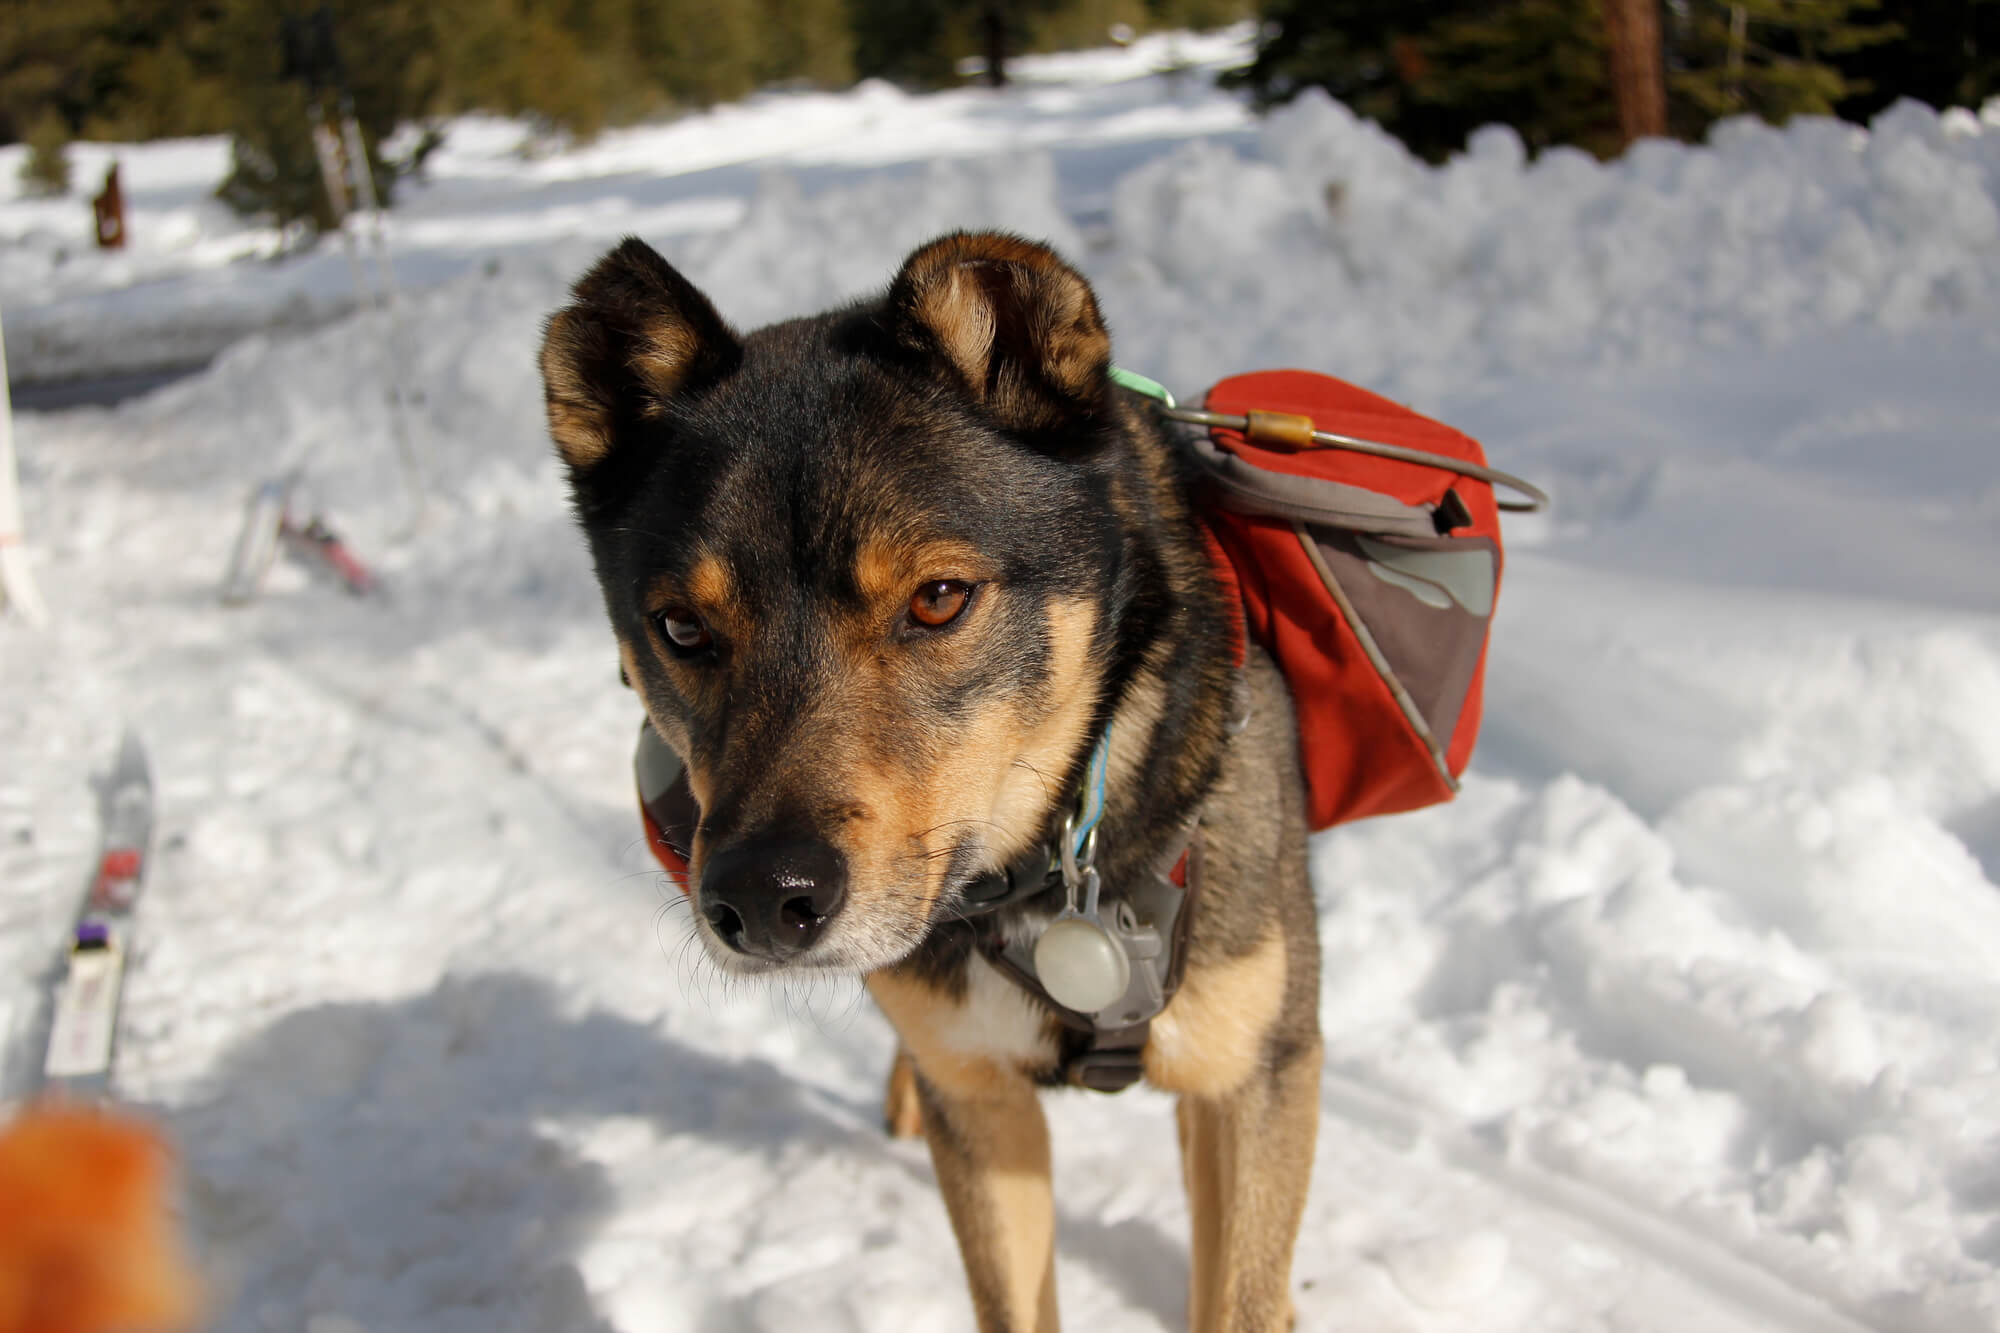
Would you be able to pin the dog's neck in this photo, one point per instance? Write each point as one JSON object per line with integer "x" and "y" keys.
{"x": 1172, "y": 705}
{"x": 1170, "y": 696}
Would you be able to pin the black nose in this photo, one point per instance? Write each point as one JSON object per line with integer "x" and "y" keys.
{"x": 772, "y": 900}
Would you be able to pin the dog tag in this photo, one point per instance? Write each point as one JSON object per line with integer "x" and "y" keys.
{"x": 1080, "y": 965}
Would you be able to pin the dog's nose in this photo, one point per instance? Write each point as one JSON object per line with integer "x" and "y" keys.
{"x": 772, "y": 900}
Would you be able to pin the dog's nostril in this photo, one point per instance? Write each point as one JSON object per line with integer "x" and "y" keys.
{"x": 801, "y": 915}
{"x": 726, "y": 922}
{"x": 772, "y": 900}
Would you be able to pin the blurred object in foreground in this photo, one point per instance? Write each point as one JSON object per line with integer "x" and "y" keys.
{"x": 86, "y": 1243}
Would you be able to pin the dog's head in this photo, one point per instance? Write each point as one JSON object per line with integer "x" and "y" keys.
{"x": 864, "y": 569}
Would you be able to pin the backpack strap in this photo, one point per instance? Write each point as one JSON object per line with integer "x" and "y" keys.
{"x": 1245, "y": 488}
{"x": 1292, "y": 434}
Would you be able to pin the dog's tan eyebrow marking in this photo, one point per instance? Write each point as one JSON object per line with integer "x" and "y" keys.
{"x": 707, "y": 586}
{"x": 887, "y": 572}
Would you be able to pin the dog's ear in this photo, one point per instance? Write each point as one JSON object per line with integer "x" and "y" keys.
{"x": 635, "y": 334}
{"x": 1011, "y": 322}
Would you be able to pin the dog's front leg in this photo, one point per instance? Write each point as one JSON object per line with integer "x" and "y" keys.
{"x": 967, "y": 1056}
{"x": 1247, "y": 1156}
{"x": 1240, "y": 1043}
{"x": 990, "y": 1145}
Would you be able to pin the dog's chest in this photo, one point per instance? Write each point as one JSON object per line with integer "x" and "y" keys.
{"x": 990, "y": 1022}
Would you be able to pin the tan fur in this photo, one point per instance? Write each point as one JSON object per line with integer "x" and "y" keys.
{"x": 957, "y": 309}
{"x": 1138, "y": 718}
{"x": 579, "y": 422}
{"x": 1209, "y": 1039}
{"x": 661, "y": 356}
{"x": 989, "y": 1144}
{"x": 902, "y": 1107}
{"x": 951, "y": 290}
{"x": 1073, "y": 337}
{"x": 1042, "y": 752}
{"x": 1245, "y": 1157}
{"x": 709, "y": 587}
{"x": 995, "y": 775}
{"x": 991, "y": 1154}
{"x": 965, "y": 1043}
{"x": 888, "y": 572}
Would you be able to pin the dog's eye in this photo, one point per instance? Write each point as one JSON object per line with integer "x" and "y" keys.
{"x": 684, "y": 629}
{"x": 938, "y": 603}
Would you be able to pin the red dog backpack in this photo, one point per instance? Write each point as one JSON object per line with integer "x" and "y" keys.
{"x": 1363, "y": 542}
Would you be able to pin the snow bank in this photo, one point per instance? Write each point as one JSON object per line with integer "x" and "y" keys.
{"x": 1343, "y": 250}
{"x": 1328, "y": 244}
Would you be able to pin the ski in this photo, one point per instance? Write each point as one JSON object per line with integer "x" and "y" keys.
{"x": 85, "y": 1025}
{"x": 315, "y": 540}
{"x": 256, "y": 542}
{"x": 269, "y": 521}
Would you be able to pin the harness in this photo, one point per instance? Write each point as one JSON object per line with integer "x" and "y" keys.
{"x": 1105, "y": 974}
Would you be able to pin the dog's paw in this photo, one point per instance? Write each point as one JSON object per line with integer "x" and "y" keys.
{"x": 902, "y": 1110}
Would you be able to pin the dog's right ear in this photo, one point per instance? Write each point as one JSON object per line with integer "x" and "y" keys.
{"x": 635, "y": 334}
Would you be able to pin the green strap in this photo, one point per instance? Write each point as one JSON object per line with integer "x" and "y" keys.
{"x": 1138, "y": 383}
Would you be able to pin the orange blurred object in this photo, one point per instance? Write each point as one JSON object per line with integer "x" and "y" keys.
{"x": 86, "y": 1243}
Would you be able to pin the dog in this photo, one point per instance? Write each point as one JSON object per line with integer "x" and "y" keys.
{"x": 912, "y": 588}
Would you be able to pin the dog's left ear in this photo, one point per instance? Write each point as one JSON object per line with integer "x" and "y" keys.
{"x": 1013, "y": 324}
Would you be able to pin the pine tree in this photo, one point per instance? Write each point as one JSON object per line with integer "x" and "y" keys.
{"x": 164, "y": 74}
{"x": 1770, "y": 58}
{"x": 46, "y": 168}
{"x": 51, "y": 60}
{"x": 913, "y": 42}
{"x": 698, "y": 52}
{"x": 1432, "y": 71}
{"x": 389, "y": 53}
{"x": 811, "y": 40}
{"x": 1947, "y": 53}
{"x": 1540, "y": 66}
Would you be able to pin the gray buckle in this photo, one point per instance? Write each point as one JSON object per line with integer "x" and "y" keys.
{"x": 1106, "y": 1071}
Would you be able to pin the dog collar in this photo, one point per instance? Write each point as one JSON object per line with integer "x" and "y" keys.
{"x": 1105, "y": 970}
{"x": 1035, "y": 871}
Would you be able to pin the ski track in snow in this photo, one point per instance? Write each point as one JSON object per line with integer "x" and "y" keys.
{"x": 1681, "y": 1017}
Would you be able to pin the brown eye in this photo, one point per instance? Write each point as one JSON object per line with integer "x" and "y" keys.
{"x": 938, "y": 604}
{"x": 684, "y": 629}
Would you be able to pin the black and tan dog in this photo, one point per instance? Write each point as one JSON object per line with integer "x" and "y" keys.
{"x": 885, "y": 578}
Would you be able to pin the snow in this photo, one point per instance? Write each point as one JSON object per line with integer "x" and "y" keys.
{"x": 1681, "y": 1017}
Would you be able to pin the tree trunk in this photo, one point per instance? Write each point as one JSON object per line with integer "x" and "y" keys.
{"x": 993, "y": 35}
{"x": 1638, "y": 80}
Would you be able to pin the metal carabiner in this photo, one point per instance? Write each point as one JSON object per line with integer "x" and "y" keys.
{"x": 1079, "y": 874}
